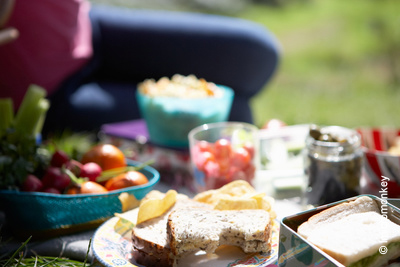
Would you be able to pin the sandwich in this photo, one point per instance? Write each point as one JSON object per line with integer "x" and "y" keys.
{"x": 193, "y": 229}
{"x": 191, "y": 226}
{"x": 354, "y": 234}
{"x": 150, "y": 246}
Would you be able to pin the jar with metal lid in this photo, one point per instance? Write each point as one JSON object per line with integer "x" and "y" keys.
{"x": 333, "y": 164}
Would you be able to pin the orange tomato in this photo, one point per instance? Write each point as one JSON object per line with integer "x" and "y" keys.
{"x": 106, "y": 155}
{"x": 73, "y": 190}
{"x": 87, "y": 187}
{"x": 90, "y": 187}
{"x": 127, "y": 179}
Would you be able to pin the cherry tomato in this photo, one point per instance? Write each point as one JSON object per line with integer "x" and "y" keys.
{"x": 250, "y": 148}
{"x": 201, "y": 159}
{"x": 222, "y": 148}
{"x": 130, "y": 178}
{"x": 205, "y": 146}
{"x": 240, "y": 157}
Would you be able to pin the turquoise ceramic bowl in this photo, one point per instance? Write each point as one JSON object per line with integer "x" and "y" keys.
{"x": 169, "y": 120}
{"x": 52, "y": 214}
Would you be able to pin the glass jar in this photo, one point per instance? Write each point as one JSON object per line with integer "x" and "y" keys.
{"x": 333, "y": 164}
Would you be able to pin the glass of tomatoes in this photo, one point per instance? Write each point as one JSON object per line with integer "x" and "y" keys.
{"x": 223, "y": 152}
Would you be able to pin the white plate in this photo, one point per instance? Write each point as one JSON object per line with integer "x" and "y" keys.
{"x": 112, "y": 247}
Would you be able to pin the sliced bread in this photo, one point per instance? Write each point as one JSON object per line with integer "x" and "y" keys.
{"x": 353, "y": 232}
{"x": 360, "y": 205}
{"x": 193, "y": 229}
{"x": 149, "y": 239}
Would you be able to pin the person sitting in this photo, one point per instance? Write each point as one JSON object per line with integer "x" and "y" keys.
{"x": 91, "y": 57}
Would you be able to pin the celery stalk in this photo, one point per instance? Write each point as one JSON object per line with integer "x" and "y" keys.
{"x": 6, "y": 114}
{"x": 30, "y": 110}
{"x": 45, "y": 105}
{"x": 37, "y": 113}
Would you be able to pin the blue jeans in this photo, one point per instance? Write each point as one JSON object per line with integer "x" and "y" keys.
{"x": 133, "y": 45}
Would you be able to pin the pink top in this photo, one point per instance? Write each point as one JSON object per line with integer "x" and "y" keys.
{"x": 54, "y": 42}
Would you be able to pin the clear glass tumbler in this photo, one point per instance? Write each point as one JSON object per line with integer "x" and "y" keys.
{"x": 223, "y": 152}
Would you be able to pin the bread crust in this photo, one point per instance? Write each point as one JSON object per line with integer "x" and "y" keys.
{"x": 361, "y": 204}
{"x": 352, "y": 231}
{"x": 147, "y": 259}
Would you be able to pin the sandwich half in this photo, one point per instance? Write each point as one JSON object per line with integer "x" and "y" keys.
{"x": 353, "y": 234}
{"x": 150, "y": 240}
{"x": 193, "y": 229}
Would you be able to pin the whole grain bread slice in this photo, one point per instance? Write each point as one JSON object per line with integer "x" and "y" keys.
{"x": 193, "y": 229}
{"x": 150, "y": 240}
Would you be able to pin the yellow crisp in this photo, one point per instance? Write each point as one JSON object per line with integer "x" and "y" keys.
{"x": 154, "y": 207}
{"x": 237, "y": 195}
{"x": 128, "y": 201}
{"x": 236, "y": 204}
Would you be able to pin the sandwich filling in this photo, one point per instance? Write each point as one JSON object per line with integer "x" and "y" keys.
{"x": 392, "y": 249}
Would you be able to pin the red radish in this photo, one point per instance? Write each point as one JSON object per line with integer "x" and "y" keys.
{"x": 91, "y": 170}
{"x": 59, "y": 158}
{"x": 55, "y": 177}
{"x": 32, "y": 184}
{"x": 74, "y": 166}
{"x": 51, "y": 190}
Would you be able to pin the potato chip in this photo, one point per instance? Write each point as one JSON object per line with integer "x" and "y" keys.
{"x": 128, "y": 201}
{"x": 236, "y": 188}
{"x": 205, "y": 196}
{"x": 154, "y": 207}
{"x": 126, "y": 220}
{"x": 236, "y": 204}
{"x": 237, "y": 195}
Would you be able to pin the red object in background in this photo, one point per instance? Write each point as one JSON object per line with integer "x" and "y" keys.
{"x": 273, "y": 124}
{"x": 378, "y": 163}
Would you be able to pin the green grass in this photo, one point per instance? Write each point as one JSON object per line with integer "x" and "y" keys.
{"x": 332, "y": 69}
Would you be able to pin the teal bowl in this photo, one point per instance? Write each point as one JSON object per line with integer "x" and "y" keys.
{"x": 46, "y": 215}
{"x": 170, "y": 119}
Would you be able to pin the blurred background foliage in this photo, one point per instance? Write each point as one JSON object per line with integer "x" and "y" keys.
{"x": 340, "y": 60}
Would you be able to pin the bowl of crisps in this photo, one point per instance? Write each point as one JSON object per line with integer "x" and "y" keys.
{"x": 172, "y": 107}
{"x": 381, "y": 147}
